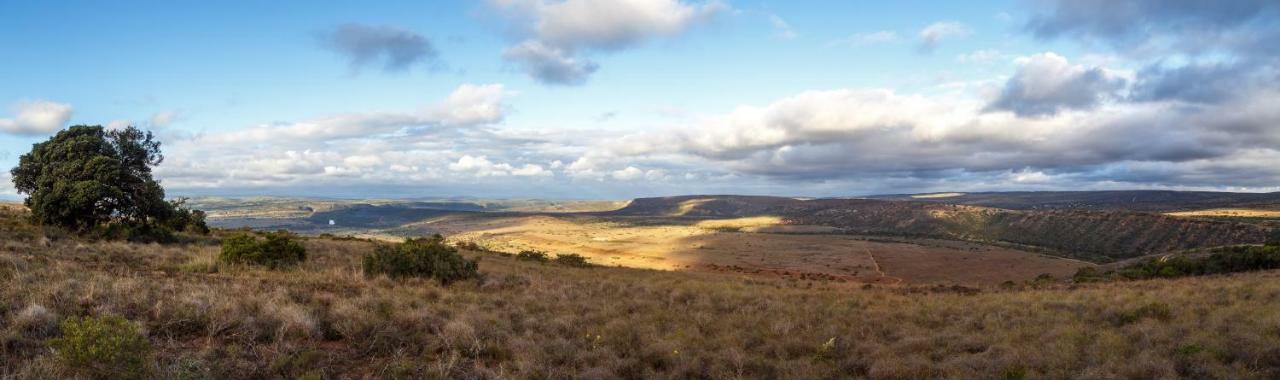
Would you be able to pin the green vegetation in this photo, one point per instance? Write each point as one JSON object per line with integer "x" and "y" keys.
{"x": 278, "y": 250}
{"x": 1221, "y": 260}
{"x": 533, "y": 255}
{"x": 91, "y": 180}
{"x": 427, "y": 258}
{"x": 108, "y": 347}
{"x": 572, "y": 260}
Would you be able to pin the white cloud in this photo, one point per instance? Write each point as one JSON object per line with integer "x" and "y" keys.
{"x": 38, "y": 117}
{"x": 935, "y": 33}
{"x": 531, "y": 170}
{"x": 1047, "y": 83}
{"x": 630, "y": 173}
{"x": 560, "y": 31}
{"x": 468, "y": 105}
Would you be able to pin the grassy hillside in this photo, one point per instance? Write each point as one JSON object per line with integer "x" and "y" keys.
{"x": 1100, "y": 236}
{"x": 1131, "y": 200}
{"x": 325, "y": 319}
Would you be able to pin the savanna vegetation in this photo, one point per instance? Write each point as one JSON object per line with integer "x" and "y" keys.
{"x": 153, "y": 310}
{"x": 1230, "y": 259}
{"x": 98, "y": 182}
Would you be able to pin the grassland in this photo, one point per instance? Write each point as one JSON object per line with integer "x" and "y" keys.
{"x": 325, "y": 319}
{"x": 753, "y": 245}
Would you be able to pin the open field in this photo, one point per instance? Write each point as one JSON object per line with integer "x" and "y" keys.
{"x": 722, "y": 245}
{"x": 325, "y": 319}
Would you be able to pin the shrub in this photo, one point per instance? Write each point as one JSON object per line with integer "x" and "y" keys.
{"x": 103, "y": 347}
{"x": 277, "y": 250}
{"x": 573, "y": 260}
{"x": 427, "y": 258}
{"x": 469, "y": 245}
{"x": 532, "y": 255}
{"x": 1156, "y": 310}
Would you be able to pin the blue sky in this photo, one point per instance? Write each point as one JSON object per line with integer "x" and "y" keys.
{"x": 616, "y": 99}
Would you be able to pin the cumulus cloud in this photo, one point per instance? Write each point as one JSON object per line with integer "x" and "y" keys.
{"x": 558, "y": 33}
{"x": 36, "y": 117}
{"x": 935, "y": 33}
{"x": 468, "y": 105}
{"x": 1193, "y": 51}
{"x": 455, "y": 143}
{"x": 550, "y": 64}
{"x": 1046, "y": 83}
{"x": 395, "y": 48}
{"x": 852, "y": 136}
{"x": 1132, "y": 23}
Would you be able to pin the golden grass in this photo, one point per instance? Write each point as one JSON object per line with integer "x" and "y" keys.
{"x": 1229, "y": 213}
{"x": 937, "y": 195}
{"x": 757, "y": 245}
{"x": 738, "y": 223}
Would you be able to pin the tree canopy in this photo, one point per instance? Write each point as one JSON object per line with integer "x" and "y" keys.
{"x": 86, "y": 176}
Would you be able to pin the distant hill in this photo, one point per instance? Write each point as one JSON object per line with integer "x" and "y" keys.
{"x": 1096, "y": 235}
{"x": 1132, "y": 200}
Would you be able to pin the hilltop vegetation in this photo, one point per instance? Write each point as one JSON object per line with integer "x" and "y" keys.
{"x": 1099, "y": 236}
{"x": 325, "y": 318}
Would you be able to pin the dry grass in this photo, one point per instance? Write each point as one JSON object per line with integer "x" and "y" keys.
{"x": 1229, "y": 213}
{"x": 937, "y": 195}
{"x": 528, "y": 320}
{"x": 755, "y": 245}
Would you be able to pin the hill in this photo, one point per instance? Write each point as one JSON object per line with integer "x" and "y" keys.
{"x": 1087, "y": 234}
{"x": 1130, "y": 200}
{"x": 325, "y": 319}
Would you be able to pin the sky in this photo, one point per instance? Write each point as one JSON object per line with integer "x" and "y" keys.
{"x": 614, "y": 99}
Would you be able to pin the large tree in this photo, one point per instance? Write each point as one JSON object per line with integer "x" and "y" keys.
{"x": 86, "y": 176}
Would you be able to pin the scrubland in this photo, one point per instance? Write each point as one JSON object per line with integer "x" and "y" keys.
{"x": 326, "y": 319}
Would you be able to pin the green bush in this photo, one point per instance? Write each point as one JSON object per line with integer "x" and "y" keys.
{"x": 427, "y": 258}
{"x": 108, "y": 347}
{"x": 532, "y": 255}
{"x": 278, "y": 250}
{"x": 1221, "y": 260}
{"x": 573, "y": 260}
